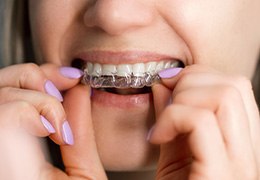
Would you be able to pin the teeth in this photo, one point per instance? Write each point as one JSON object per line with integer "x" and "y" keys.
{"x": 124, "y": 70}
{"x": 160, "y": 66}
{"x": 151, "y": 67}
{"x": 124, "y": 75}
{"x": 168, "y": 64}
{"x": 138, "y": 69}
{"x": 89, "y": 68}
{"x": 97, "y": 70}
{"x": 109, "y": 69}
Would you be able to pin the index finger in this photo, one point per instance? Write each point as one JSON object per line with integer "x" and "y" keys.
{"x": 25, "y": 76}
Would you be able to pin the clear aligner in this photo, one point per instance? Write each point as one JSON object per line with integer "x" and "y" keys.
{"x": 121, "y": 82}
{"x": 124, "y": 76}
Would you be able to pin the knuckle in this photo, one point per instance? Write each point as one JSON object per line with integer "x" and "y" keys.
{"x": 12, "y": 113}
{"x": 30, "y": 73}
{"x": 229, "y": 94}
{"x": 30, "y": 67}
{"x": 52, "y": 107}
{"x": 180, "y": 98}
{"x": 205, "y": 118}
{"x": 23, "y": 107}
{"x": 242, "y": 82}
{"x": 185, "y": 79}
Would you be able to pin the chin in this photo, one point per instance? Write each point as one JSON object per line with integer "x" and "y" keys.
{"x": 121, "y": 129}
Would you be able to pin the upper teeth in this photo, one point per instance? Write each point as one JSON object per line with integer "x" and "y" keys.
{"x": 138, "y": 69}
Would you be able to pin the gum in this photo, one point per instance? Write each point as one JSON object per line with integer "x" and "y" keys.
{"x": 121, "y": 82}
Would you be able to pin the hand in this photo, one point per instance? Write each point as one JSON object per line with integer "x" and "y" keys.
{"x": 210, "y": 129}
{"x": 24, "y": 100}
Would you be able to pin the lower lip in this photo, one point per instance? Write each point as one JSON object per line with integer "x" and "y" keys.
{"x": 120, "y": 101}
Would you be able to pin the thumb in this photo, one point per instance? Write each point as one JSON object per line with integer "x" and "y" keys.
{"x": 161, "y": 98}
{"x": 162, "y": 93}
{"x": 63, "y": 77}
{"x": 81, "y": 159}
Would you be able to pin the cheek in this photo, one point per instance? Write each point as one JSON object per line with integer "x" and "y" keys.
{"x": 218, "y": 33}
{"x": 49, "y": 19}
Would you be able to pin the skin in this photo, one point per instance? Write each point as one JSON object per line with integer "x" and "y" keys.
{"x": 212, "y": 118}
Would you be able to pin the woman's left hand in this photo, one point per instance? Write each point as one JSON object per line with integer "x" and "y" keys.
{"x": 210, "y": 129}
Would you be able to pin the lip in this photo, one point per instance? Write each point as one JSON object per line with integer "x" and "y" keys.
{"x": 120, "y": 101}
{"x": 123, "y": 57}
{"x": 107, "y": 99}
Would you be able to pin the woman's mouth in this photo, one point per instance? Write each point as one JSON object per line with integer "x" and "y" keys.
{"x": 128, "y": 91}
{"x": 133, "y": 75}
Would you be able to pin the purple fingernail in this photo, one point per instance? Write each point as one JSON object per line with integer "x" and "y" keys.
{"x": 47, "y": 125}
{"x": 67, "y": 133}
{"x": 170, "y": 72}
{"x": 70, "y": 72}
{"x": 52, "y": 90}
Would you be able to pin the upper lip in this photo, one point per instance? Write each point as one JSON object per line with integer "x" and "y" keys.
{"x": 123, "y": 57}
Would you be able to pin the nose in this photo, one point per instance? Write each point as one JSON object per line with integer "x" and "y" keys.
{"x": 118, "y": 16}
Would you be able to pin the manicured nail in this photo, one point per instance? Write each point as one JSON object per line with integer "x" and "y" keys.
{"x": 169, "y": 73}
{"x": 67, "y": 133}
{"x": 70, "y": 72}
{"x": 47, "y": 125}
{"x": 150, "y": 132}
{"x": 52, "y": 90}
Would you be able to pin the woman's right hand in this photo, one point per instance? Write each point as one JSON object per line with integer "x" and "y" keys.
{"x": 30, "y": 107}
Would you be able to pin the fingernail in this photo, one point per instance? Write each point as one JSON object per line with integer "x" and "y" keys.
{"x": 47, "y": 125}
{"x": 170, "y": 72}
{"x": 70, "y": 72}
{"x": 52, "y": 90}
{"x": 67, "y": 133}
{"x": 150, "y": 132}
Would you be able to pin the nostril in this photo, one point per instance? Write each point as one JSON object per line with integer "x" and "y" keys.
{"x": 117, "y": 16}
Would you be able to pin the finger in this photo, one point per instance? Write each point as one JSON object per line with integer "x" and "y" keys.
{"x": 202, "y": 76}
{"x": 204, "y": 137}
{"x": 28, "y": 76}
{"x": 162, "y": 97}
{"x": 21, "y": 156}
{"x": 63, "y": 77}
{"x": 50, "y": 109}
{"x": 22, "y": 115}
{"x": 81, "y": 159}
{"x": 231, "y": 118}
{"x": 194, "y": 77}
{"x": 245, "y": 87}
{"x": 170, "y": 77}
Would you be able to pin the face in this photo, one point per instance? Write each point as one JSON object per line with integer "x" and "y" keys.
{"x": 224, "y": 34}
